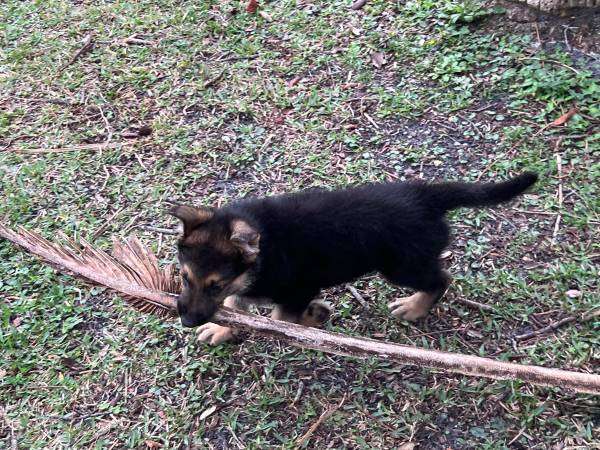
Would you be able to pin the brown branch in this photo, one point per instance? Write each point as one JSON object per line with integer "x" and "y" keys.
{"x": 358, "y": 4}
{"x": 326, "y": 415}
{"x": 359, "y": 298}
{"x": 555, "y": 325}
{"x": 87, "y": 46}
{"x": 474, "y": 304}
{"x": 106, "y": 224}
{"x": 135, "y": 272}
{"x": 160, "y": 230}
{"x": 559, "y": 193}
{"x": 340, "y": 344}
{"x": 74, "y": 148}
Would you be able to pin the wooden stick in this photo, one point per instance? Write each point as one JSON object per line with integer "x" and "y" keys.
{"x": 474, "y": 304}
{"x": 358, "y": 4}
{"x": 106, "y": 224}
{"x": 359, "y": 298}
{"x": 551, "y": 61}
{"x": 326, "y": 415}
{"x": 559, "y": 192}
{"x": 74, "y": 148}
{"x": 87, "y": 46}
{"x": 555, "y": 325}
{"x": 340, "y": 344}
{"x": 160, "y": 230}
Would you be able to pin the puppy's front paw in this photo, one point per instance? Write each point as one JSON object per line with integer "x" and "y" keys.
{"x": 214, "y": 334}
{"x": 411, "y": 308}
{"x": 316, "y": 314}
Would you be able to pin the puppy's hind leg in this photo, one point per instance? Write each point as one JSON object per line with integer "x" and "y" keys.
{"x": 314, "y": 315}
{"x": 431, "y": 287}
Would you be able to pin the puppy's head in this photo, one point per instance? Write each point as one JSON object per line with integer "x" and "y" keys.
{"x": 216, "y": 254}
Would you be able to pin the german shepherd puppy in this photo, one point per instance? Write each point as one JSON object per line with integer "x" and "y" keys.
{"x": 285, "y": 249}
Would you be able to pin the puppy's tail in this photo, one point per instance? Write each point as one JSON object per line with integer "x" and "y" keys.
{"x": 447, "y": 196}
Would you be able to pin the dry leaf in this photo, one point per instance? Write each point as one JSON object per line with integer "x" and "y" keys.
{"x": 573, "y": 293}
{"x": 378, "y": 59}
{"x": 265, "y": 16}
{"x": 407, "y": 446}
{"x": 351, "y": 85}
{"x": 564, "y": 118}
{"x": 133, "y": 271}
{"x": 252, "y": 6}
{"x": 358, "y": 4}
{"x": 17, "y": 321}
{"x": 208, "y": 412}
{"x": 152, "y": 444}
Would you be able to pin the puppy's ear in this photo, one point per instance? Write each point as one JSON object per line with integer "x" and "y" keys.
{"x": 191, "y": 216}
{"x": 246, "y": 239}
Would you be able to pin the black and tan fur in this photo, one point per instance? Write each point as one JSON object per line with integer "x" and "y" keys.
{"x": 285, "y": 249}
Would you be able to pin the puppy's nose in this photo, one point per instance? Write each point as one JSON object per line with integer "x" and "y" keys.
{"x": 188, "y": 321}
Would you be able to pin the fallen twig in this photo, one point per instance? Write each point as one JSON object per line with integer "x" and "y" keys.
{"x": 326, "y": 415}
{"x": 87, "y": 46}
{"x": 555, "y": 325}
{"x": 358, "y": 4}
{"x": 559, "y": 192}
{"x": 359, "y": 298}
{"x": 106, "y": 224}
{"x": 160, "y": 230}
{"x": 134, "y": 40}
{"x": 534, "y": 212}
{"x": 473, "y": 304}
{"x": 551, "y": 61}
{"x": 74, "y": 148}
{"x": 339, "y": 344}
{"x": 556, "y": 228}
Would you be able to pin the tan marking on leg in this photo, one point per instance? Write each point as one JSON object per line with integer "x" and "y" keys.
{"x": 279, "y": 313}
{"x": 414, "y": 307}
{"x": 214, "y": 334}
{"x": 316, "y": 314}
{"x": 418, "y": 305}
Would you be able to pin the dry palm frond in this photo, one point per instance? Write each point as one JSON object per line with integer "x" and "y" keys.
{"x": 134, "y": 272}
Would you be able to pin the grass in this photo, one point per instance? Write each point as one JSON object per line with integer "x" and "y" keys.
{"x": 465, "y": 93}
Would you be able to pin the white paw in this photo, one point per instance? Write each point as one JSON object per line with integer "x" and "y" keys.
{"x": 411, "y": 308}
{"x": 214, "y": 334}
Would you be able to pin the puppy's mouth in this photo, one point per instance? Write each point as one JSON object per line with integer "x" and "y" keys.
{"x": 193, "y": 321}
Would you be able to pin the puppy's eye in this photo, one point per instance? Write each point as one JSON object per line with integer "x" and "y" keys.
{"x": 212, "y": 287}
